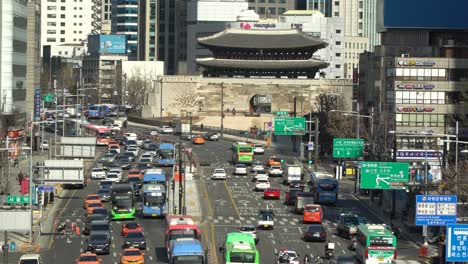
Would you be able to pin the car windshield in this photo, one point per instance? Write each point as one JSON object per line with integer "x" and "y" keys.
{"x": 351, "y": 220}
{"x": 266, "y": 217}
{"x": 135, "y": 235}
{"x": 131, "y": 225}
{"x": 103, "y": 191}
{"x": 241, "y": 166}
{"x": 98, "y": 237}
{"x": 93, "y": 197}
{"x": 312, "y": 209}
{"x": 131, "y": 253}
{"x": 88, "y": 258}
{"x": 30, "y": 261}
{"x": 145, "y": 160}
{"x": 261, "y": 172}
{"x": 94, "y": 217}
{"x": 219, "y": 171}
{"x": 315, "y": 228}
{"x": 276, "y": 167}
{"x": 112, "y": 175}
{"x": 262, "y": 181}
{"x": 247, "y": 228}
{"x": 99, "y": 227}
{"x": 100, "y": 211}
{"x": 97, "y": 170}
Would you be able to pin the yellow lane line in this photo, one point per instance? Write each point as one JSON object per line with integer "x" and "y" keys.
{"x": 232, "y": 199}
{"x": 210, "y": 209}
{"x": 207, "y": 198}
{"x": 61, "y": 211}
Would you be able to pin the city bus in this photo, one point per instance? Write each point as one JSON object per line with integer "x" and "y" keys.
{"x": 96, "y": 112}
{"x": 180, "y": 227}
{"x": 375, "y": 244}
{"x": 242, "y": 153}
{"x": 103, "y": 134}
{"x": 154, "y": 176}
{"x": 240, "y": 248}
{"x": 165, "y": 155}
{"x": 324, "y": 187}
{"x": 123, "y": 206}
{"x": 153, "y": 200}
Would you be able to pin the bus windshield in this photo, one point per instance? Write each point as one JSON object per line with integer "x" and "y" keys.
{"x": 166, "y": 153}
{"x": 245, "y": 150}
{"x": 242, "y": 257}
{"x": 153, "y": 200}
{"x": 187, "y": 260}
{"x": 183, "y": 233}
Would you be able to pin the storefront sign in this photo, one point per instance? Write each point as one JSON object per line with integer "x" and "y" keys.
{"x": 415, "y": 109}
{"x": 16, "y": 133}
{"x": 414, "y": 86}
{"x": 415, "y": 63}
{"x": 264, "y": 25}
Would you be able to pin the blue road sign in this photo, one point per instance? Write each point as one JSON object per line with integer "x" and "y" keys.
{"x": 436, "y": 210}
{"x": 46, "y": 188}
{"x": 37, "y": 104}
{"x": 457, "y": 243}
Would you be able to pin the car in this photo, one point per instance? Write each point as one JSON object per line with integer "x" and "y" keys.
{"x": 273, "y": 160}
{"x": 259, "y": 149}
{"x": 114, "y": 176}
{"x": 115, "y": 147}
{"x": 256, "y": 166}
{"x": 100, "y": 226}
{"x": 131, "y": 227}
{"x": 153, "y": 146}
{"x": 167, "y": 130}
{"x": 108, "y": 157}
{"x": 296, "y": 184}
{"x": 145, "y": 144}
{"x": 346, "y": 259}
{"x": 135, "y": 239}
{"x": 114, "y": 127}
{"x": 91, "y": 198}
{"x": 90, "y": 207}
{"x": 93, "y": 217}
{"x": 198, "y": 139}
{"x": 260, "y": 174}
{"x": 98, "y": 243}
{"x": 271, "y": 193}
{"x": 290, "y": 197}
{"x": 131, "y": 136}
{"x": 125, "y": 163}
{"x": 132, "y": 256}
{"x": 30, "y": 259}
{"x": 265, "y": 220}
{"x": 212, "y": 136}
{"x": 275, "y": 171}
{"x": 262, "y": 184}
{"x": 313, "y": 213}
{"x": 219, "y": 174}
{"x": 315, "y": 232}
{"x": 143, "y": 166}
{"x": 154, "y": 133}
{"x": 135, "y": 173}
{"x": 186, "y": 136}
{"x": 352, "y": 243}
{"x": 249, "y": 229}
{"x": 287, "y": 254}
{"x": 240, "y": 169}
{"x": 133, "y": 150}
{"x": 128, "y": 155}
{"x": 88, "y": 258}
{"x": 113, "y": 151}
{"x": 100, "y": 211}
{"x": 98, "y": 173}
{"x": 146, "y": 156}
{"x": 105, "y": 184}
{"x": 139, "y": 142}
{"x": 44, "y": 144}
{"x": 146, "y": 160}
{"x": 104, "y": 194}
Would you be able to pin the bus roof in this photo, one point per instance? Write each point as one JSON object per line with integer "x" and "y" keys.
{"x": 186, "y": 246}
{"x": 180, "y": 221}
{"x": 166, "y": 146}
{"x": 374, "y": 229}
{"x": 152, "y": 176}
{"x": 236, "y": 237}
{"x": 322, "y": 175}
{"x": 153, "y": 188}
{"x": 157, "y": 171}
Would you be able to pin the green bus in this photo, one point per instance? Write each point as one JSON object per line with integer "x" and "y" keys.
{"x": 375, "y": 244}
{"x": 242, "y": 152}
{"x": 122, "y": 202}
{"x": 240, "y": 248}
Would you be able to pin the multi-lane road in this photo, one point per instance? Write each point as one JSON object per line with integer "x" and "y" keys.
{"x": 225, "y": 205}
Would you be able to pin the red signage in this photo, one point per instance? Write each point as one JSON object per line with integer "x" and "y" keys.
{"x": 415, "y": 109}
{"x": 12, "y": 134}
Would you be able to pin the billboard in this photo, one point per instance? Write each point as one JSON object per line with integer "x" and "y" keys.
{"x": 431, "y": 14}
{"x": 113, "y": 44}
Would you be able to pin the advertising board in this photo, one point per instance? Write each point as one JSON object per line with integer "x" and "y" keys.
{"x": 113, "y": 44}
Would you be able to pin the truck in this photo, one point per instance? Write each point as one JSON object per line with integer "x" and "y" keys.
{"x": 66, "y": 172}
{"x": 187, "y": 250}
{"x": 182, "y": 129}
{"x": 292, "y": 172}
{"x": 347, "y": 226}
{"x": 302, "y": 199}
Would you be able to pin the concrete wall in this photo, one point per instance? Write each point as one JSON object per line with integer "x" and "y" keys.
{"x": 202, "y": 96}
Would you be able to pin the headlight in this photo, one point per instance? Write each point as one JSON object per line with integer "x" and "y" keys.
{"x": 115, "y": 208}
{"x": 143, "y": 242}
{"x": 127, "y": 242}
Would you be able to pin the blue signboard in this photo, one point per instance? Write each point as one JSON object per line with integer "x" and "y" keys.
{"x": 46, "y": 188}
{"x": 113, "y": 44}
{"x": 457, "y": 240}
{"x": 37, "y": 104}
{"x": 419, "y": 154}
{"x": 436, "y": 210}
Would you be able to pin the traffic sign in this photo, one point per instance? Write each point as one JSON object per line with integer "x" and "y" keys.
{"x": 46, "y": 188}
{"x": 348, "y": 148}
{"x": 12, "y": 199}
{"x": 310, "y": 146}
{"x": 282, "y": 113}
{"x": 456, "y": 246}
{"x": 37, "y": 104}
{"x": 49, "y": 98}
{"x": 436, "y": 210}
{"x": 384, "y": 175}
{"x": 289, "y": 126}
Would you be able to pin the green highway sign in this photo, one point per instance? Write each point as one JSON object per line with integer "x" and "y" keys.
{"x": 289, "y": 126}
{"x": 348, "y": 148}
{"x": 282, "y": 113}
{"x": 11, "y": 199}
{"x": 384, "y": 175}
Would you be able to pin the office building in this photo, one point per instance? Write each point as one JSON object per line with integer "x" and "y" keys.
{"x": 66, "y": 22}
{"x": 353, "y": 13}
{"x": 323, "y": 6}
{"x": 147, "y": 30}
{"x": 125, "y": 22}
{"x": 271, "y": 9}
{"x": 105, "y": 14}
{"x": 370, "y": 23}
{"x": 33, "y": 54}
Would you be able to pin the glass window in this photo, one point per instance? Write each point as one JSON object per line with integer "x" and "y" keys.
{"x": 336, "y": 14}
{"x": 337, "y": 54}
{"x": 406, "y": 72}
{"x": 427, "y": 97}
{"x": 261, "y": 10}
{"x": 419, "y": 97}
{"x": 441, "y": 97}
{"x": 398, "y": 117}
{"x": 51, "y": 16}
{"x": 62, "y": 16}
{"x": 399, "y": 97}
{"x": 413, "y": 72}
{"x": 51, "y": 8}
{"x": 272, "y": 10}
{"x": 412, "y": 97}
{"x": 441, "y": 72}
{"x": 435, "y": 73}
{"x": 338, "y": 43}
{"x": 420, "y": 72}
{"x": 399, "y": 72}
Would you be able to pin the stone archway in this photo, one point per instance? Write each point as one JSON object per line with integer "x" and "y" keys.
{"x": 260, "y": 103}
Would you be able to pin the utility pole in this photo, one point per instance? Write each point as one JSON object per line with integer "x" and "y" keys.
{"x": 294, "y": 115}
{"x": 222, "y": 108}
{"x": 181, "y": 173}
{"x": 190, "y": 161}
{"x": 316, "y": 142}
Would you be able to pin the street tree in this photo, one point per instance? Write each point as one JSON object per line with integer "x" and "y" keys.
{"x": 139, "y": 84}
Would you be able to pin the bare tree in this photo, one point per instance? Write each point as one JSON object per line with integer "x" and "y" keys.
{"x": 138, "y": 85}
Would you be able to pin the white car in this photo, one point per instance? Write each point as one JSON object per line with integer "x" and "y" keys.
{"x": 276, "y": 170}
{"x": 167, "y": 130}
{"x": 256, "y": 166}
{"x": 240, "y": 169}
{"x": 114, "y": 127}
{"x": 45, "y": 144}
{"x": 154, "y": 133}
{"x": 219, "y": 174}
{"x": 117, "y": 170}
{"x": 117, "y": 148}
{"x": 262, "y": 184}
{"x": 130, "y": 136}
{"x": 139, "y": 142}
{"x": 147, "y": 156}
{"x": 259, "y": 149}
{"x": 31, "y": 258}
{"x": 249, "y": 229}
{"x": 261, "y": 174}
{"x": 133, "y": 150}
{"x": 114, "y": 177}
{"x": 98, "y": 173}
{"x": 291, "y": 254}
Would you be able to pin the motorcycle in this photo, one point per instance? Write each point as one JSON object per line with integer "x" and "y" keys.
{"x": 329, "y": 250}
{"x": 62, "y": 227}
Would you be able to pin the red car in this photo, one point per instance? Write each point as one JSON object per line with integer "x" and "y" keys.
{"x": 272, "y": 193}
{"x": 131, "y": 227}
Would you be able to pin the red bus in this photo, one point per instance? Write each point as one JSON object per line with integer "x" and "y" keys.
{"x": 102, "y": 133}
{"x": 180, "y": 226}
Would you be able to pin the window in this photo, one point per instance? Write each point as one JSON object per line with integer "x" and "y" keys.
{"x": 51, "y": 16}
{"x": 338, "y": 43}
{"x": 361, "y": 4}
{"x": 80, "y": 32}
{"x": 336, "y": 14}
{"x": 51, "y": 39}
{"x": 62, "y": 16}
{"x": 338, "y": 31}
{"x": 51, "y": 31}
{"x": 62, "y": 24}
{"x": 360, "y": 25}
{"x": 60, "y": 53}
{"x": 51, "y": 8}
{"x": 271, "y": 1}
{"x": 337, "y": 54}
{"x": 74, "y": 8}
{"x": 281, "y": 10}
{"x": 80, "y": 16}
{"x": 81, "y": 8}
{"x": 261, "y": 10}
{"x": 272, "y": 11}
{"x": 74, "y": 24}
{"x": 80, "y": 24}
{"x": 62, "y": 8}
{"x": 337, "y": 3}
{"x": 360, "y": 15}
{"x": 62, "y": 40}
{"x": 62, "y": 31}
{"x": 337, "y": 66}
{"x": 354, "y": 45}
{"x": 52, "y": 24}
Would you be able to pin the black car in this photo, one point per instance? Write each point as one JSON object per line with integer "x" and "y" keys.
{"x": 104, "y": 194}
{"x": 129, "y": 155}
{"x": 98, "y": 243}
{"x": 296, "y": 184}
{"x": 135, "y": 239}
{"x": 101, "y": 211}
{"x": 105, "y": 184}
{"x": 99, "y": 226}
{"x": 315, "y": 232}
{"x": 346, "y": 259}
{"x": 290, "y": 197}
{"x": 125, "y": 163}
{"x": 90, "y": 219}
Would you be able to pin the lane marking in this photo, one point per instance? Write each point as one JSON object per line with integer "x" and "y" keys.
{"x": 115, "y": 254}
{"x": 210, "y": 209}
{"x": 207, "y": 197}
{"x": 232, "y": 200}
{"x": 60, "y": 214}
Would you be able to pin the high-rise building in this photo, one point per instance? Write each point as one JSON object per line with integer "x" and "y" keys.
{"x": 106, "y": 12}
{"x": 125, "y": 22}
{"x": 271, "y": 9}
{"x": 66, "y": 22}
{"x": 33, "y": 74}
{"x": 323, "y": 6}
{"x": 370, "y": 23}
{"x": 353, "y": 13}
{"x": 147, "y": 30}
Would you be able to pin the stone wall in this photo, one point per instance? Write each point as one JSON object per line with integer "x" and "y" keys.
{"x": 202, "y": 96}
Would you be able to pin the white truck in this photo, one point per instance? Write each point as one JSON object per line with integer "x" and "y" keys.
{"x": 292, "y": 172}
{"x": 182, "y": 129}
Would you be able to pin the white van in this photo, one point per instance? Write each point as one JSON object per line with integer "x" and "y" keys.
{"x": 30, "y": 259}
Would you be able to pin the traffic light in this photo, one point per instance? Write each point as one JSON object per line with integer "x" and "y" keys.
{"x": 310, "y": 162}
{"x": 282, "y": 160}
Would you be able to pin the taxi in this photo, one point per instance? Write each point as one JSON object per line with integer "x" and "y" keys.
{"x": 273, "y": 160}
{"x": 88, "y": 258}
{"x": 312, "y": 213}
{"x": 91, "y": 206}
{"x": 92, "y": 198}
{"x": 132, "y": 256}
{"x": 198, "y": 139}
{"x": 131, "y": 227}
{"x": 135, "y": 173}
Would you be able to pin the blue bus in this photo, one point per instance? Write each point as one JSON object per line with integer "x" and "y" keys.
{"x": 187, "y": 250}
{"x": 165, "y": 155}
{"x": 324, "y": 187}
{"x": 154, "y": 176}
{"x": 153, "y": 200}
{"x": 96, "y": 111}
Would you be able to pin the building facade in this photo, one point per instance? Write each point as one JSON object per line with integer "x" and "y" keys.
{"x": 323, "y": 6}
{"x": 66, "y": 22}
{"x": 125, "y": 22}
{"x": 147, "y": 30}
{"x": 353, "y": 13}
{"x": 353, "y": 47}
{"x": 33, "y": 74}
{"x": 370, "y": 23}
{"x": 271, "y": 9}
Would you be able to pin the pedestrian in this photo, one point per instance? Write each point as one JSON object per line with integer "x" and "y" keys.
{"x": 306, "y": 259}
{"x": 20, "y": 177}
{"x": 227, "y": 110}
{"x": 46, "y": 199}
{"x": 201, "y": 126}
{"x": 51, "y": 198}
{"x": 15, "y": 162}
{"x": 5, "y": 249}
{"x": 233, "y": 111}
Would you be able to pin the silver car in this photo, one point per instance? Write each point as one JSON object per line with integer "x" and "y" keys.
{"x": 240, "y": 169}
